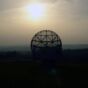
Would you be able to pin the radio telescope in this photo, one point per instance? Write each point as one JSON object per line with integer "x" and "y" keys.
{"x": 46, "y": 44}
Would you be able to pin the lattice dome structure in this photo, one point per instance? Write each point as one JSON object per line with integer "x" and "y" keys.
{"x": 46, "y": 43}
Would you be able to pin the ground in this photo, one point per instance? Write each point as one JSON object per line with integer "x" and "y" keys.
{"x": 70, "y": 71}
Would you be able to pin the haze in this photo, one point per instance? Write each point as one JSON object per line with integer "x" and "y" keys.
{"x": 68, "y": 18}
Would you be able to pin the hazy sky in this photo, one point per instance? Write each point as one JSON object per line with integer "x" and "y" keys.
{"x": 69, "y": 18}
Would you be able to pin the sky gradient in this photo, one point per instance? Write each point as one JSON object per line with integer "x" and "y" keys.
{"x": 68, "y": 18}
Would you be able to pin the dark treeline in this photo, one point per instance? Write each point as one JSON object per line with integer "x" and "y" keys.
{"x": 67, "y": 55}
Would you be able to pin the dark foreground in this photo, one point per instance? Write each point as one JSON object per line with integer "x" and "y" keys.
{"x": 21, "y": 71}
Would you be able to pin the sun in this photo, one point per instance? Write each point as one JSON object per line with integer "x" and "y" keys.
{"x": 35, "y": 11}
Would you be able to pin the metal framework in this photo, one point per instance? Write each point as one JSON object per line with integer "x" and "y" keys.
{"x": 46, "y": 40}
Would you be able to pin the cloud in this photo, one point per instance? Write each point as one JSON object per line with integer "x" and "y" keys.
{"x": 10, "y": 4}
{"x": 74, "y": 7}
{"x": 48, "y": 1}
